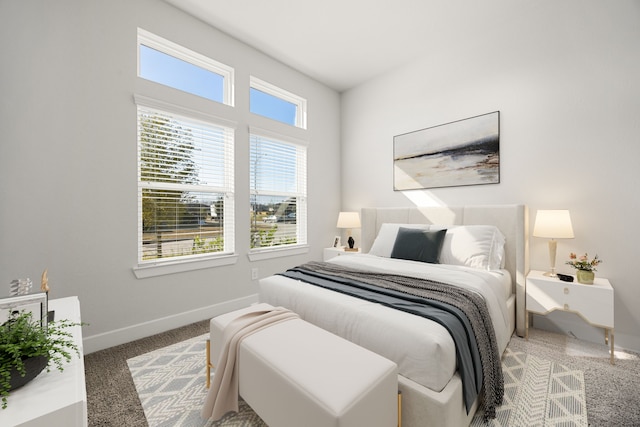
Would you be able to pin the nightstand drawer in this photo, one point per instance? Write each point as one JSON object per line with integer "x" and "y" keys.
{"x": 593, "y": 302}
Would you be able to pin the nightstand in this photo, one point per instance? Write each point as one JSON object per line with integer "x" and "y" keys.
{"x": 593, "y": 303}
{"x": 334, "y": 252}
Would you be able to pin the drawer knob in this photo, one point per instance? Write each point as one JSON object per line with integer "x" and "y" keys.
{"x": 566, "y": 306}
{"x": 566, "y": 291}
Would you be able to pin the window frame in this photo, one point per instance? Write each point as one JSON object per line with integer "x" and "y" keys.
{"x": 194, "y": 58}
{"x": 169, "y": 265}
{"x": 275, "y": 91}
{"x": 301, "y": 205}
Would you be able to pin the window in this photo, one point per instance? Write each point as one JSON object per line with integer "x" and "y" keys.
{"x": 270, "y": 101}
{"x": 185, "y": 186}
{"x": 278, "y": 192}
{"x": 172, "y": 65}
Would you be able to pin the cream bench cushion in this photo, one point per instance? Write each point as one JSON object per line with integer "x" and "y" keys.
{"x": 294, "y": 373}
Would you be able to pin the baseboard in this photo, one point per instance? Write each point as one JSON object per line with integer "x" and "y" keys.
{"x": 131, "y": 333}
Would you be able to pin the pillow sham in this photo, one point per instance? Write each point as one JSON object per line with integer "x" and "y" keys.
{"x": 386, "y": 238}
{"x": 418, "y": 245}
{"x": 478, "y": 246}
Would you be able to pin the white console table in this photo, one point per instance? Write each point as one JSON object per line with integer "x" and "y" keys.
{"x": 53, "y": 398}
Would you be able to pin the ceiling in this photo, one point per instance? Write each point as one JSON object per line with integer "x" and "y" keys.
{"x": 343, "y": 43}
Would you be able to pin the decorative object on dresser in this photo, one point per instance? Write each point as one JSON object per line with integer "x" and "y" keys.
{"x": 349, "y": 220}
{"x": 553, "y": 224}
{"x": 20, "y": 286}
{"x": 35, "y": 303}
{"x": 584, "y": 268}
{"x": 44, "y": 287}
{"x": 464, "y": 152}
{"x": 44, "y": 282}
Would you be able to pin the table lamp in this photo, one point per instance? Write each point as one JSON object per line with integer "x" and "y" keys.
{"x": 349, "y": 220}
{"x": 553, "y": 224}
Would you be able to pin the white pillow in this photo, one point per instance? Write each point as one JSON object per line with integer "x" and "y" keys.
{"x": 478, "y": 246}
{"x": 386, "y": 238}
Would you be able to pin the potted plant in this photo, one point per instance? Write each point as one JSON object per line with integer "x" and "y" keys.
{"x": 26, "y": 348}
{"x": 584, "y": 268}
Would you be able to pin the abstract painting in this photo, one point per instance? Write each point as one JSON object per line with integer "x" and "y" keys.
{"x": 464, "y": 152}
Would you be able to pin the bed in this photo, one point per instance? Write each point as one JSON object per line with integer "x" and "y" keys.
{"x": 484, "y": 249}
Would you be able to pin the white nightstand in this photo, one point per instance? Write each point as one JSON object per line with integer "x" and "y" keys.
{"x": 594, "y": 303}
{"x": 334, "y": 252}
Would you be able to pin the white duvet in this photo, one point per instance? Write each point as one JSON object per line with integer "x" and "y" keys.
{"x": 423, "y": 350}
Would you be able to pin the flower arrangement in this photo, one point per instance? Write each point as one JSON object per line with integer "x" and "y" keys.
{"x": 582, "y": 262}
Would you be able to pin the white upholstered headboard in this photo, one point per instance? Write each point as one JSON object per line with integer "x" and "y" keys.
{"x": 511, "y": 220}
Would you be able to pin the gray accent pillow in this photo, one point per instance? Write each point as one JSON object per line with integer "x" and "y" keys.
{"x": 418, "y": 245}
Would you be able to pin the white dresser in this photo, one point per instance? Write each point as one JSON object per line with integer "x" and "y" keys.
{"x": 53, "y": 398}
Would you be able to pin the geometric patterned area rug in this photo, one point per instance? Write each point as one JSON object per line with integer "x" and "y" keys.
{"x": 538, "y": 392}
{"x": 170, "y": 383}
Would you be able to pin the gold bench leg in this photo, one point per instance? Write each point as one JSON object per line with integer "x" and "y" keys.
{"x": 209, "y": 364}
{"x": 399, "y": 409}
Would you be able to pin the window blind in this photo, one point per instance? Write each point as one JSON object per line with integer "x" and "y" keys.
{"x": 278, "y": 190}
{"x": 185, "y": 187}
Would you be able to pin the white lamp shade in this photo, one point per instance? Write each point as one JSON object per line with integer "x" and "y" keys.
{"x": 553, "y": 224}
{"x": 349, "y": 220}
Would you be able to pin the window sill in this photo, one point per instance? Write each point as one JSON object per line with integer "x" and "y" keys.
{"x": 260, "y": 254}
{"x": 162, "y": 269}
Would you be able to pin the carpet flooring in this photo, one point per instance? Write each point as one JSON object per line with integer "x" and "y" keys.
{"x": 611, "y": 391}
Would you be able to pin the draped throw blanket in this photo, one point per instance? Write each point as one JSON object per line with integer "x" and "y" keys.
{"x": 223, "y": 393}
{"x": 462, "y": 312}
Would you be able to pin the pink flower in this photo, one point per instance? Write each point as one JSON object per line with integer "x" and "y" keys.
{"x": 583, "y": 263}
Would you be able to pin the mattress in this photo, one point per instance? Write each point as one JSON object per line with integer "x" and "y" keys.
{"x": 423, "y": 349}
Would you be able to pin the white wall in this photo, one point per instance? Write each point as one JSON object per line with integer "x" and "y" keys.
{"x": 565, "y": 80}
{"x": 68, "y": 162}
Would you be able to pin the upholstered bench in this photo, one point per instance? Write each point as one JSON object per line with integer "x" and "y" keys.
{"x": 294, "y": 373}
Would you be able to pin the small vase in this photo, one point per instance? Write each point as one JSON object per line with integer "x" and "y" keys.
{"x": 585, "y": 277}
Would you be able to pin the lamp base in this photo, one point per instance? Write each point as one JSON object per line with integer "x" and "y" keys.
{"x": 551, "y": 273}
{"x": 553, "y": 245}
{"x": 348, "y": 249}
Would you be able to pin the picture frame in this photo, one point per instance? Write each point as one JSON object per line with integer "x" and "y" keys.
{"x": 336, "y": 242}
{"x": 36, "y": 303}
{"x": 463, "y": 152}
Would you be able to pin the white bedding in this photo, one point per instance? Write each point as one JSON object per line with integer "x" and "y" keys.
{"x": 423, "y": 350}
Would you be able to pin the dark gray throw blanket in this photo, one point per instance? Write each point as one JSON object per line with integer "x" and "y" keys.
{"x": 462, "y": 312}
